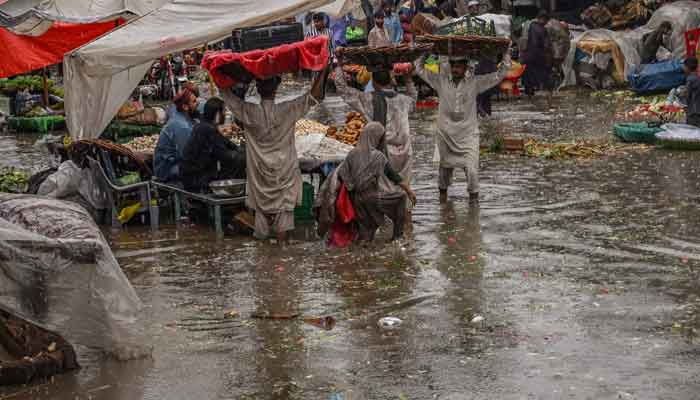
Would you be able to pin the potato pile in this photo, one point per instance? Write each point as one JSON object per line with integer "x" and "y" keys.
{"x": 354, "y": 123}
{"x": 304, "y": 127}
{"x": 143, "y": 144}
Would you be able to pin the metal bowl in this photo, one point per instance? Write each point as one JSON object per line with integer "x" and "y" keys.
{"x": 228, "y": 187}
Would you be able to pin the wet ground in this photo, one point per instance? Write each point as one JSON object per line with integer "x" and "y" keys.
{"x": 571, "y": 280}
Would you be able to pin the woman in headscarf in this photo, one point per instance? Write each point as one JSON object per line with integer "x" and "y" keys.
{"x": 375, "y": 188}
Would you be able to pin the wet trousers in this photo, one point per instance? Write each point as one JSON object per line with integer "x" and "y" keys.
{"x": 472, "y": 174}
{"x": 370, "y": 212}
{"x": 279, "y": 222}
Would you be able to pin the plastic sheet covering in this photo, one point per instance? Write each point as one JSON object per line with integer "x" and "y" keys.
{"x": 627, "y": 42}
{"x": 70, "y": 180}
{"x": 315, "y": 149}
{"x": 34, "y": 17}
{"x": 57, "y": 270}
{"x": 679, "y": 133}
{"x": 660, "y": 76}
{"x": 683, "y": 15}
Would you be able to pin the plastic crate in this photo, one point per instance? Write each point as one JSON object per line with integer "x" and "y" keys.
{"x": 266, "y": 37}
{"x": 304, "y": 212}
{"x": 692, "y": 37}
{"x": 44, "y": 124}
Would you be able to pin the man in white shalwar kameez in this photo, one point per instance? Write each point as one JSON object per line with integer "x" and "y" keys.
{"x": 274, "y": 179}
{"x": 457, "y": 142}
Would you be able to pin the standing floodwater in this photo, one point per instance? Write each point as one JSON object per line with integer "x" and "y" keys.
{"x": 571, "y": 280}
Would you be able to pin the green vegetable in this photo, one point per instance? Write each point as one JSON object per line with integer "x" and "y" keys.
{"x": 13, "y": 181}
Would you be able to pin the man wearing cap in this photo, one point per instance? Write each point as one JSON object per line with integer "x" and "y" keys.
{"x": 473, "y": 8}
{"x": 174, "y": 136}
{"x": 274, "y": 180}
{"x": 457, "y": 141}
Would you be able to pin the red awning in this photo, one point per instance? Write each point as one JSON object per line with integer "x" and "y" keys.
{"x": 28, "y": 53}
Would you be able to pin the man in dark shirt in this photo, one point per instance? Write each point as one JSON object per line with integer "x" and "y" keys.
{"x": 690, "y": 67}
{"x": 208, "y": 155}
{"x": 538, "y": 56}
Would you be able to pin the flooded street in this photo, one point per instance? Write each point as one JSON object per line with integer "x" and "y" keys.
{"x": 575, "y": 279}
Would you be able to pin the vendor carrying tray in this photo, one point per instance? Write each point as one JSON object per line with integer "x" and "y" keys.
{"x": 466, "y": 46}
{"x": 380, "y": 57}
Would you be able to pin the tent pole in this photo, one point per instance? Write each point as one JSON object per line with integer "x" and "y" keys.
{"x": 45, "y": 93}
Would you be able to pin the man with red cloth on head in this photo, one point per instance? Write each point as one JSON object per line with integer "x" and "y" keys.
{"x": 174, "y": 137}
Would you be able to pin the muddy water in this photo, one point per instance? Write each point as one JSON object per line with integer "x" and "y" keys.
{"x": 583, "y": 276}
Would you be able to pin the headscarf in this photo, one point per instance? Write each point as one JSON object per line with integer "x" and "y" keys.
{"x": 365, "y": 163}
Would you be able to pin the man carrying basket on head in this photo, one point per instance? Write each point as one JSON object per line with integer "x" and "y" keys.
{"x": 458, "y": 127}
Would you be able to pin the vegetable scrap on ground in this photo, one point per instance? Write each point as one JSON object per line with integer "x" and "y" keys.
{"x": 580, "y": 149}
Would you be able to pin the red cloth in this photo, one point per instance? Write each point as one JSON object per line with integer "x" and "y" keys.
{"x": 311, "y": 54}
{"x": 343, "y": 231}
{"x": 28, "y": 53}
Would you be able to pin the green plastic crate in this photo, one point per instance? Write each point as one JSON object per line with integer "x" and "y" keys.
{"x": 305, "y": 212}
{"x": 44, "y": 124}
{"x": 122, "y": 132}
{"x": 636, "y": 132}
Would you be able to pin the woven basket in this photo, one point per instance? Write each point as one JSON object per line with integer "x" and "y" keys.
{"x": 122, "y": 154}
{"x": 466, "y": 46}
{"x": 384, "y": 57}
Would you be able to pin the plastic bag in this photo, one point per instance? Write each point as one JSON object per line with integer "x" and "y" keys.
{"x": 343, "y": 231}
{"x": 63, "y": 183}
{"x": 344, "y": 208}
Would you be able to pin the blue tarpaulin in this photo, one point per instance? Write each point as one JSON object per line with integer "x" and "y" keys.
{"x": 657, "y": 77}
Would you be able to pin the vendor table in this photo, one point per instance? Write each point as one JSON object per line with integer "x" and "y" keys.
{"x": 213, "y": 203}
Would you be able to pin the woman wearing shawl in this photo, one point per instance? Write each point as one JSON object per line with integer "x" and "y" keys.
{"x": 375, "y": 188}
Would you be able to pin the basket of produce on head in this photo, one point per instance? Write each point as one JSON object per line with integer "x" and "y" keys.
{"x": 471, "y": 46}
{"x": 377, "y": 57}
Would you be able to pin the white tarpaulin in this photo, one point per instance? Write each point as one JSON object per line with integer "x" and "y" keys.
{"x": 58, "y": 271}
{"x": 100, "y": 76}
{"x": 341, "y": 8}
{"x": 34, "y": 17}
{"x": 683, "y": 15}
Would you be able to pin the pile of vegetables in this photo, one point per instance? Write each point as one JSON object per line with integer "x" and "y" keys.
{"x": 13, "y": 181}
{"x": 304, "y": 127}
{"x": 660, "y": 110}
{"x": 34, "y": 83}
{"x": 354, "y": 123}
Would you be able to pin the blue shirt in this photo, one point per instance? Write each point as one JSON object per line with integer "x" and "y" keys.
{"x": 171, "y": 146}
{"x": 393, "y": 27}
